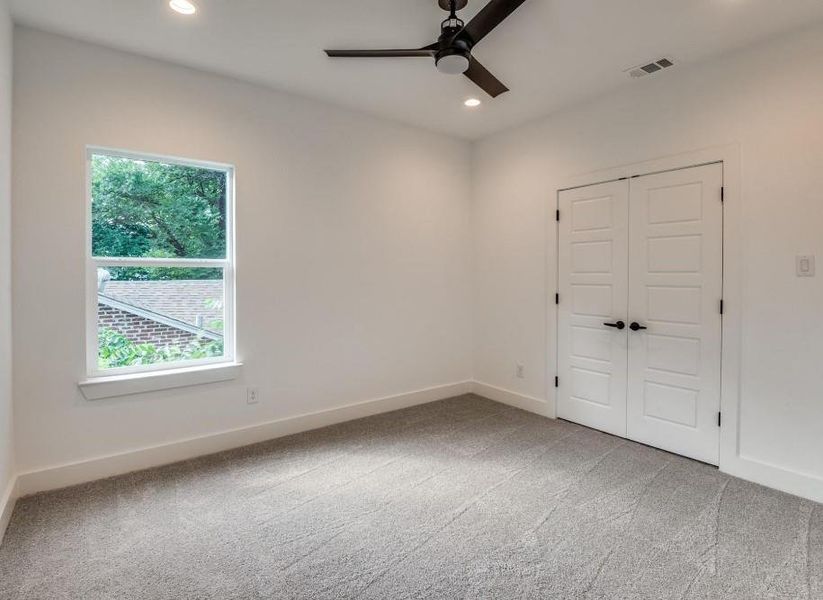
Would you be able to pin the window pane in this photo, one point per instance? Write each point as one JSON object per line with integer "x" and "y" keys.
{"x": 150, "y": 209}
{"x": 148, "y": 316}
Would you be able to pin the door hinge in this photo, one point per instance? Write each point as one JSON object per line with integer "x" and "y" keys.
{"x": 557, "y": 215}
{"x": 722, "y": 307}
{"x": 556, "y": 381}
{"x": 557, "y": 298}
{"x": 723, "y": 193}
{"x": 719, "y": 418}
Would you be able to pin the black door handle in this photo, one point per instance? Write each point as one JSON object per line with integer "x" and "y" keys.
{"x": 637, "y": 326}
{"x": 618, "y": 325}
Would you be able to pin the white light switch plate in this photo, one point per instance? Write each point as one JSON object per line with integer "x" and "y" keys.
{"x": 805, "y": 266}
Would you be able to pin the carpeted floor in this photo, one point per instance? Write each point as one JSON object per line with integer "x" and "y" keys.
{"x": 463, "y": 498}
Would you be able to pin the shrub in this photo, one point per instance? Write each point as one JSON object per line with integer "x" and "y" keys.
{"x": 116, "y": 350}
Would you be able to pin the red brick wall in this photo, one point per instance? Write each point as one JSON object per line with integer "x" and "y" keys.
{"x": 140, "y": 330}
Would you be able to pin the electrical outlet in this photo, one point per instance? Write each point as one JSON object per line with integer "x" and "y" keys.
{"x": 805, "y": 266}
{"x": 252, "y": 395}
{"x": 520, "y": 371}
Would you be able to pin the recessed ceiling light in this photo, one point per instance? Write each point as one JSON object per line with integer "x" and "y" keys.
{"x": 472, "y": 102}
{"x": 184, "y": 7}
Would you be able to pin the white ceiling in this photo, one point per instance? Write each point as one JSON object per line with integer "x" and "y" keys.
{"x": 551, "y": 53}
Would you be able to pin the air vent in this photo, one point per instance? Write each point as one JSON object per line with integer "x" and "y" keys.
{"x": 650, "y": 68}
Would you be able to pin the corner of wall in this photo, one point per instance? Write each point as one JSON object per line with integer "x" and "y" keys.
{"x": 537, "y": 406}
{"x": 8, "y": 499}
{"x": 8, "y": 480}
{"x": 473, "y": 320}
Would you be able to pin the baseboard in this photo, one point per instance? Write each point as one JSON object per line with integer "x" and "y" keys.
{"x": 107, "y": 466}
{"x": 7, "y": 502}
{"x": 779, "y": 478}
{"x": 799, "y": 484}
{"x": 529, "y": 403}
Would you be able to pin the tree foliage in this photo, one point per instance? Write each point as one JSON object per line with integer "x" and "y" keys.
{"x": 116, "y": 350}
{"x": 152, "y": 209}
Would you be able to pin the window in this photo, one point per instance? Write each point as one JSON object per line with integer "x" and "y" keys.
{"x": 160, "y": 263}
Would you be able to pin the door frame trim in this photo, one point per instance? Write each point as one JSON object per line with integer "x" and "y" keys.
{"x": 730, "y": 460}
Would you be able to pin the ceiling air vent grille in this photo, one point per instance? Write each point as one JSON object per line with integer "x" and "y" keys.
{"x": 650, "y": 68}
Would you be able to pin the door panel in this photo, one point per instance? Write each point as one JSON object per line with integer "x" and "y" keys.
{"x": 675, "y": 287}
{"x": 593, "y": 272}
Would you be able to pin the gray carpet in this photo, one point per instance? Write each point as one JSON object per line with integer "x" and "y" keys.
{"x": 458, "y": 499}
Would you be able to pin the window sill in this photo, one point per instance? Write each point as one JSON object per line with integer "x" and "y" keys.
{"x": 97, "y": 388}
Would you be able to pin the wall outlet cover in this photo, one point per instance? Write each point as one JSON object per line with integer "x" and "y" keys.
{"x": 252, "y": 395}
{"x": 805, "y": 266}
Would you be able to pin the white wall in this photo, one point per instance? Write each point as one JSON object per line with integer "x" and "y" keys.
{"x": 353, "y": 248}
{"x": 355, "y": 235}
{"x": 769, "y": 100}
{"x": 6, "y": 433}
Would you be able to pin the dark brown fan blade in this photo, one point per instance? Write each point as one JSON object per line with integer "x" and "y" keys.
{"x": 485, "y": 80}
{"x": 378, "y": 53}
{"x": 490, "y": 17}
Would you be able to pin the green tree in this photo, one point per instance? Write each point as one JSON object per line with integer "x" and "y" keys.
{"x": 116, "y": 350}
{"x": 152, "y": 209}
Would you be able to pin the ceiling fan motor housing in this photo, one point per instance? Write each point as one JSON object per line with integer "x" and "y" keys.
{"x": 454, "y": 60}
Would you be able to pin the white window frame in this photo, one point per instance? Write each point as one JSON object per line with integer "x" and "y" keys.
{"x": 93, "y": 371}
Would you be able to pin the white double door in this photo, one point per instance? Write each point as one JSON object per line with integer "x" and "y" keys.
{"x": 639, "y": 323}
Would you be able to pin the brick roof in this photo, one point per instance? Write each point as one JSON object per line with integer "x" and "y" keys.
{"x": 184, "y": 300}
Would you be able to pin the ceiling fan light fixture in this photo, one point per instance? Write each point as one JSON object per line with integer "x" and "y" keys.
{"x": 452, "y": 61}
{"x": 472, "y": 103}
{"x": 184, "y": 7}
{"x": 452, "y": 52}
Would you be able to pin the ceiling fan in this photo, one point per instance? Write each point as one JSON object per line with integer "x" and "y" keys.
{"x": 452, "y": 52}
